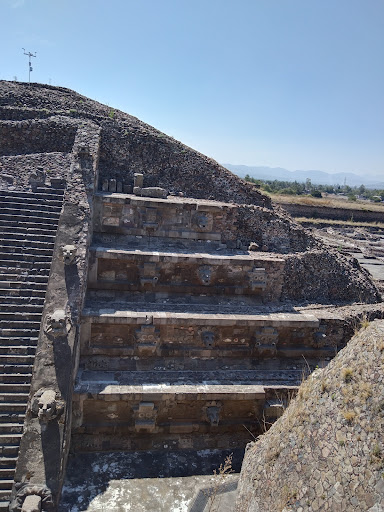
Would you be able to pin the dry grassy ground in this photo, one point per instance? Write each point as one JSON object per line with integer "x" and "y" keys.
{"x": 330, "y": 201}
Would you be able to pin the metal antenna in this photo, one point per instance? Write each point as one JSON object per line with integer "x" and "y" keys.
{"x": 29, "y": 54}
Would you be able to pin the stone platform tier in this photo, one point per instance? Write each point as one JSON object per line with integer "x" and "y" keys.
{"x": 132, "y": 340}
{"x": 180, "y": 218}
{"x": 28, "y": 223}
{"x": 111, "y": 415}
{"x": 198, "y": 270}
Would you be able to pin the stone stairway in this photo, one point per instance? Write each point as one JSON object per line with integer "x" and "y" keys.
{"x": 184, "y": 344}
{"x": 28, "y": 223}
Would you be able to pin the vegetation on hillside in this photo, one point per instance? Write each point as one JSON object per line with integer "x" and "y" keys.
{"x": 307, "y": 188}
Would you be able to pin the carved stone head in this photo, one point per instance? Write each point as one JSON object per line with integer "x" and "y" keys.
{"x": 57, "y": 324}
{"x": 202, "y": 220}
{"x": 83, "y": 151}
{"x": 208, "y": 338}
{"x": 31, "y": 498}
{"x": 212, "y": 412}
{"x": 68, "y": 253}
{"x": 205, "y": 274}
{"x": 45, "y": 405}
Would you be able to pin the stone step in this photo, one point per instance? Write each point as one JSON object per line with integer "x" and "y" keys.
{"x": 10, "y": 450}
{"x": 6, "y": 473}
{"x": 28, "y": 317}
{"x": 29, "y": 249}
{"x": 13, "y": 396}
{"x": 11, "y": 264}
{"x": 15, "y": 378}
{"x": 15, "y": 204}
{"x": 27, "y": 256}
{"x": 15, "y": 290}
{"x": 24, "y": 277}
{"x": 24, "y": 230}
{"x": 51, "y": 191}
{"x": 12, "y": 407}
{"x": 30, "y": 218}
{"x": 13, "y": 300}
{"x": 14, "y": 388}
{"x": 24, "y": 288}
{"x": 14, "y": 268}
{"x": 19, "y": 369}
{"x": 18, "y": 341}
{"x": 195, "y": 273}
{"x": 8, "y": 462}
{"x": 6, "y": 485}
{"x": 42, "y": 196}
{"x": 18, "y": 332}
{"x": 4, "y": 504}
{"x": 13, "y": 418}
{"x": 9, "y": 422}
{"x": 16, "y": 359}
{"x": 10, "y": 210}
{"x": 22, "y": 307}
{"x": 11, "y": 428}
{"x": 17, "y": 349}
{"x": 26, "y": 243}
{"x": 46, "y": 227}
{"x": 10, "y": 439}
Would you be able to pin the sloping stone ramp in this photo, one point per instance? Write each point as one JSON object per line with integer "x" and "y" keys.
{"x": 28, "y": 223}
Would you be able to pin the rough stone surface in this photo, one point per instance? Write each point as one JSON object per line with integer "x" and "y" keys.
{"x": 326, "y": 452}
{"x": 150, "y": 482}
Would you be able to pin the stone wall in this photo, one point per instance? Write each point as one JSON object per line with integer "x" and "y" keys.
{"x": 235, "y": 225}
{"x": 36, "y": 136}
{"x": 327, "y": 212}
{"x": 187, "y": 275}
{"x": 326, "y": 452}
{"x": 113, "y": 341}
{"x": 328, "y": 276}
{"x": 157, "y": 417}
{"x": 21, "y": 172}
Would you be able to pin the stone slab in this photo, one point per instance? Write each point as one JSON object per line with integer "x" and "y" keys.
{"x": 274, "y": 319}
{"x": 164, "y": 391}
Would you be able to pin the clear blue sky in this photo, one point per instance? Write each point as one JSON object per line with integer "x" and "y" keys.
{"x": 291, "y": 83}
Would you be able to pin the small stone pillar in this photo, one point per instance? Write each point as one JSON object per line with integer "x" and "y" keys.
{"x": 138, "y": 180}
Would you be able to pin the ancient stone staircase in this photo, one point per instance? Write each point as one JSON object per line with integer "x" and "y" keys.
{"x": 28, "y": 223}
{"x": 183, "y": 339}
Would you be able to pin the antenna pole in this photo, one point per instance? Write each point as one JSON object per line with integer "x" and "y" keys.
{"x": 29, "y": 55}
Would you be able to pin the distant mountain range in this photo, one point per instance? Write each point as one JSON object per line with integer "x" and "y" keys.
{"x": 316, "y": 177}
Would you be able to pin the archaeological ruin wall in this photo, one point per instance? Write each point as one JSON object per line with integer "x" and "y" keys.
{"x": 168, "y": 321}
